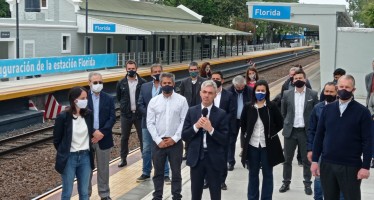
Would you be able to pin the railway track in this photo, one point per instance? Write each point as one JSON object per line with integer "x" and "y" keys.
{"x": 26, "y": 140}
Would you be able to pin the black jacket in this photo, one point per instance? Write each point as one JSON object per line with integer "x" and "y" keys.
{"x": 123, "y": 96}
{"x": 62, "y": 137}
{"x": 273, "y": 122}
{"x": 186, "y": 90}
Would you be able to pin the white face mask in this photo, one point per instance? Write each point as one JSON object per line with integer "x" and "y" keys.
{"x": 82, "y": 103}
{"x": 252, "y": 76}
{"x": 97, "y": 88}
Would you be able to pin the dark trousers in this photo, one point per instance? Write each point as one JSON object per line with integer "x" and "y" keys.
{"x": 258, "y": 158}
{"x": 232, "y": 146}
{"x": 126, "y": 125}
{"x": 225, "y": 168}
{"x": 297, "y": 138}
{"x": 174, "y": 154}
{"x": 336, "y": 178}
{"x": 204, "y": 168}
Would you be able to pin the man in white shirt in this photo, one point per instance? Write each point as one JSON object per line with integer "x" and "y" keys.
{"x": 165, "y": 117}
{"x": 297, "y": 106}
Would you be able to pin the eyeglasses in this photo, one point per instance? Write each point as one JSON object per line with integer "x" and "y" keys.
{"x": 97, "y": 82}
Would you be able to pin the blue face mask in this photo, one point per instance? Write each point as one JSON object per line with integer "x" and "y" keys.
{"x": 193, "y": 74}
{"x": 260, "y": 96}
{"x": 167, "y": 89}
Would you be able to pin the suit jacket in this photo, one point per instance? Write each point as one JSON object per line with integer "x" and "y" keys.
{"x": 123, "y": 96}
{"x": 107, "y": 118}
{"x": 144, "y": 97}
{"x": 63, "y": 135}
{"x": 273, "y": 122}
{"x": 186, "y": 89}
{"x": 215, "y": 142}
{"x": 368, "y": 83}
{"x": 288, "y": 109}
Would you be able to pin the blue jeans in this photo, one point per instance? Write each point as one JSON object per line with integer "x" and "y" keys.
{"x": 257, "y": 157}
{"x": 78, "y": 165}
{"x": 147, "y": 154}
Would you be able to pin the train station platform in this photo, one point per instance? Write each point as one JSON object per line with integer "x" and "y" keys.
{"x": 51, "y": 83}
{"x": 124, "y": 186}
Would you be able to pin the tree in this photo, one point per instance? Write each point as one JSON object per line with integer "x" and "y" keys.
{"x": 360, "y": 10}
{"x": 367, "y": 15}
{"x": 4, "y": 9}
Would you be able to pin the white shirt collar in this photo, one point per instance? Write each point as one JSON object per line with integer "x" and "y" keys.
{"x": 300, "y": 92}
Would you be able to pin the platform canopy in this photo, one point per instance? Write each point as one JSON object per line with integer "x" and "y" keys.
{"x": 140, "y": 18}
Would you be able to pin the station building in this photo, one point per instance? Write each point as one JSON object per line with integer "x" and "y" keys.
{"x": 143, "y": 31}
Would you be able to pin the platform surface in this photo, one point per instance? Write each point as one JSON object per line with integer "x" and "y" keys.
{"x": 50, "y": 83}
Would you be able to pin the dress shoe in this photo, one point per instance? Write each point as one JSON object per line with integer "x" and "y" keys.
{"x": 308, "y": 190}
{"x": 206, "y": 185}
{"x": 106, "y": 198}
{"x": 300, "y": 163}
{"x": 142, "y": 178}
{"x": 122, "y": 163}
{"x": 167, "y": 180}
{"x": 284, "y": 188}
{"x": 230, "y": 167}
{"x": 372, "y": 163}
{"x": 223, "y": 186}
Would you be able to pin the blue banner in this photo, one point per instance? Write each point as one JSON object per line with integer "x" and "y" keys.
{"x": 105, "y": 28}
{"x": 51, "y": 65}
{"x": 271, "y": 12}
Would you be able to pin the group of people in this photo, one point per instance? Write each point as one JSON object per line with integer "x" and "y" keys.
{"x": 331, "y": 135}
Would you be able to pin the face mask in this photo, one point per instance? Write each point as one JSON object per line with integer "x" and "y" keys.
{"x": 81, "y": 103}
{"x": 252, "y": 77}
{"x": 299, "y": 83}
{"x": 218, "y": 83}
{"x": 156, "y": 77}
{"x": 193, "y": 74}
{"x": 167, "y": 89}
{"x": 97, "y": 88}
{"x": 330, "y": 98}
{"x": 131, "y": 73}
{"x": 344, "y": 94}
{"x": 239, "y": 91}
{"x": 260, "y": 96}
{"x": 207, "y": 69}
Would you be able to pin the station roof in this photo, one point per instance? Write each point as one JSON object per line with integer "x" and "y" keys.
{"x": 144, "y": 18}
{"x": 157, "y": 27}
{"x": 138, "y": 9}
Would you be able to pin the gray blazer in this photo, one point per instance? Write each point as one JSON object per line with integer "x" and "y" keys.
{"x": 288, "y": 109}
{"x": 368, "y": 83}
{"x": 371, "y": 104}
{"x": 186, "y": 89}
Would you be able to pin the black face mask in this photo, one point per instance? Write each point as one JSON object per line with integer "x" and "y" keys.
{"x": 167, "y": 89}
{"x": 131, "y": 73}
{"x": 156, "y": 77}
{"x": 239, "y": 91}
{"x": 344, "y": 94}
{"x": 330, "y": 98}
{"x": 299, "y": 83}
{"x": 218, "y": 83}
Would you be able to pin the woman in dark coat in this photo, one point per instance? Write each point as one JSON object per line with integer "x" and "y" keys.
{"x": 72, "y": 136}
{"x": 260, "y": 123}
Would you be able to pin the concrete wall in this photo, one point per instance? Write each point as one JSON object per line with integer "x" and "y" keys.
{"x": 355, "y": 53}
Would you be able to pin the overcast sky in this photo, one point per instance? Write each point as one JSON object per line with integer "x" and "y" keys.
{"x": 324, "y": 1}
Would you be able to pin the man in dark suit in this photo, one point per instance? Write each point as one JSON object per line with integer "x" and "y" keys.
{"x": 224, "y": 100}
{"x": 147, "y": 92}
{"x": 190, "y": 88}
{"x": 241, "y": 95}
{"x": 102, "y": 106}
{"x": 206, "y": 129}
{"x": 369, "y": 83}
{"x": 128, "y": 90}
{"x": 297, "y": 106}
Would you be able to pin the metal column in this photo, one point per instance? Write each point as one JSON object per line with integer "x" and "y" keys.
{"x": 154, "y": 48}
{"x": 225, "y": 45}
{"x": 192, "y": 46}
{"x": 137, "y": 50}
{"x": 180, "y": 49}
{"x": 201, "y": 46}
{"x": 168, "y": 47}
{"x": 210, "y": 47}
{"x": 237, "y": 45}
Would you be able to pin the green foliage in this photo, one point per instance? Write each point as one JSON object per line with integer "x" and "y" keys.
{"x": 367, "y": 15}
{"x": 4, "y": 9}
{"x": 361, "y": 11}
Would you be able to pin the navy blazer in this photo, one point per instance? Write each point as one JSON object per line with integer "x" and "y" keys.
{"x": 107, "y": 118}
{"x": 62, "y": 137}
{"x": 144, "y": 97}
{"x": 215, "y": 142}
